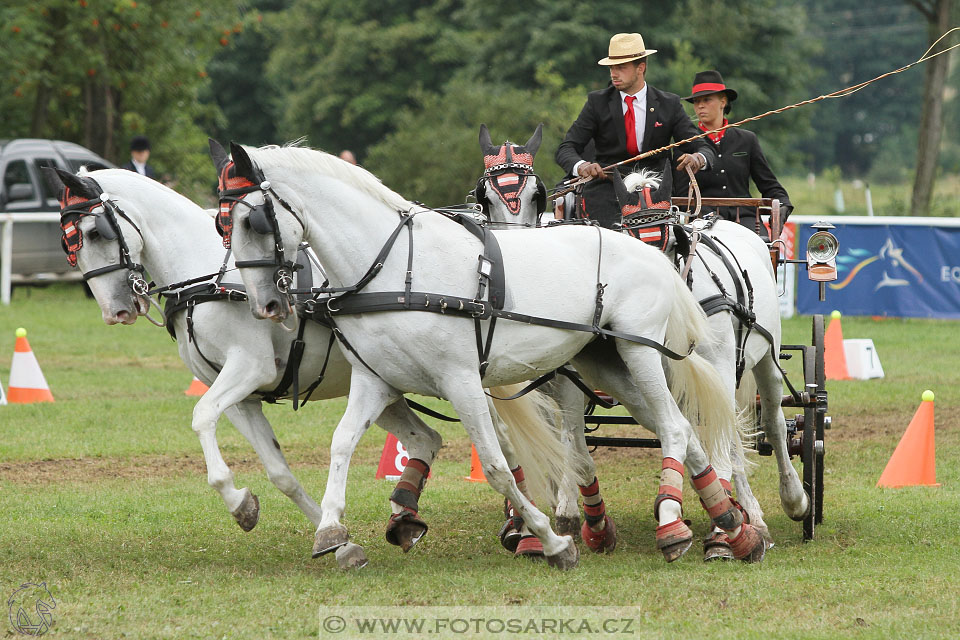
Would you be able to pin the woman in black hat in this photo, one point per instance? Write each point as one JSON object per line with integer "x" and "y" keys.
{"x": 739, "y": 158}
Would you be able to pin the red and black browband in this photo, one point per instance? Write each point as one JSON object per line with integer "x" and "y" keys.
{"x": 232, "y": 188}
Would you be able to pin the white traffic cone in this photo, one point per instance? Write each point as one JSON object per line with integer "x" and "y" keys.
{"x": 27, "y": 383}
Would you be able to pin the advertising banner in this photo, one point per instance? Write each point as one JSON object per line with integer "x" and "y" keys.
{"x": 899, "y": 267}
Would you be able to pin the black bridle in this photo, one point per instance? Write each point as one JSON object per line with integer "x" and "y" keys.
{"x": 105, "y": 211}
{"x": 263, "y": 221}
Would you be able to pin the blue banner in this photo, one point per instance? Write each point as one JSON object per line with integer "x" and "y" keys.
{"x": 897, "y": 270}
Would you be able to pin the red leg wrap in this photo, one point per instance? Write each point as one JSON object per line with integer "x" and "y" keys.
{"x": 674, "y": 539}
{"x": 749, "y": 545}
{"x": 603, "y": 541}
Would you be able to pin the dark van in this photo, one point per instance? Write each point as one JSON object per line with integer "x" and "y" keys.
{"x": 37, "y": 255}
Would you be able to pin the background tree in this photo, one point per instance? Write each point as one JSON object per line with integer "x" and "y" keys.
{"x": 99, "y": 72}
{"x": 937, "y": 13}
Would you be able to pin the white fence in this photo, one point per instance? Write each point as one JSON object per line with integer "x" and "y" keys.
{"x": 6, "y": 245}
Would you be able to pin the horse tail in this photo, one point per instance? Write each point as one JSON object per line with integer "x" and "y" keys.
{"x": 696, "y": 385}
{"x": 746, "y": 399}
{"x": 533, "y": 429}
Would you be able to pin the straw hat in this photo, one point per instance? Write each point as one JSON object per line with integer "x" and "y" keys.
{"x": 625, "y": 47}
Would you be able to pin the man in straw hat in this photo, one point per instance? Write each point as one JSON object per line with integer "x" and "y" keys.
{"x": 739, "y": 157}
{"x": 624, "y": 120}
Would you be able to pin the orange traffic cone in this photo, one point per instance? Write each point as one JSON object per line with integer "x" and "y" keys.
{"x": 196, "y": 388}
{"x": 3, "y": 397}
{"x": 27, "y": 383}
{"x": 834, "y": 358}
{"x": 476, "y": 469}
{"x": 912, "y": 463}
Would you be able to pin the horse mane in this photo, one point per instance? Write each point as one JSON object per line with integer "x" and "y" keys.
{"x": 642, "y": 179}
{"x": 296, "y": 157}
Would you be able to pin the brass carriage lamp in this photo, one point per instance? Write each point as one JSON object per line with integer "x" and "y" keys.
{"x": 822, "y": 250}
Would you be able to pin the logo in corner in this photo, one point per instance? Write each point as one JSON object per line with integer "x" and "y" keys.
{"x": 29, "y": 608}
{"x": 889, "y": 257}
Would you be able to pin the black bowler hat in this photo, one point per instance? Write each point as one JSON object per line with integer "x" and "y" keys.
{"x": 139, "y": 143}
{"x": 707, "y": 82}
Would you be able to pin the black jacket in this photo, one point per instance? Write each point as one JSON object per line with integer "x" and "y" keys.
{"x": 601, "y": 120}
{"x": 148, "y": 169}
{"x": 738, "y": 160}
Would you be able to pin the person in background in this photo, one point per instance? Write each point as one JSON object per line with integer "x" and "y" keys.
{"x": 626, "y": 119}
{"x": 739, "y": 157}
{"x": 139, "y": 154}
{"x": 347, "y": 156}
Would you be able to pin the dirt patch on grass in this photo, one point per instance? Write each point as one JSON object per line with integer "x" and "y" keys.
{"x": 140, "y": 467}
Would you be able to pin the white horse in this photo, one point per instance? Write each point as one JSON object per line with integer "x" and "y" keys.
{"x": 240, "y": 358}
{"x": 520, "y": 205}
{"x": 749, "y": 254}
{"x": 352, "y": 220}
{"x": 739, "y": 260}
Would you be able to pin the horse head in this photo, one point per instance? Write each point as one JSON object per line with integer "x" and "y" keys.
{"x": 644, "y": 199}
{"x": 101, "y": 239}
{"x": 258, "y": 231}
{"x": 505, "y": 191}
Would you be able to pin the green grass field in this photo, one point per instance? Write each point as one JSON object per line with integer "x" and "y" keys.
{"x": 104, "y": 498}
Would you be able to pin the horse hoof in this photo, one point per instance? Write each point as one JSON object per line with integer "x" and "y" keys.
{"x": 674, "y": 539}
{"x": 800, "y": 514}
{"x": 351, "y": 556}
{"x": 405, "y": 529}
{"x": 529, "y": 547}
{"x": 248, "y": 513}
{"x": 566, "y": 559}
{"x": 510, "y": 534}
{"x": 603, "y": 541}
{"x": 568, "y": 526}
{"x": 329, "y": 539}
{"x": 749, "y": 546}
{"x": 717, "y": 547}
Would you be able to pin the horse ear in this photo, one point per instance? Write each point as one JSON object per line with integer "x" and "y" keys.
{"x": 624, "y": 198}
{"x": 53, "y": 180}
{"x": 82, "y": 187}
{"x": 533, "y": 144}
{"x": 242, "y": 162}
{"x": 665, "y": 190}
{"x": 218, "y": 154}
{"x": 486, "y": 145}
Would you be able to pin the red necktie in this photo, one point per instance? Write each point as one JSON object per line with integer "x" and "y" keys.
{"x": 630, "y": 121}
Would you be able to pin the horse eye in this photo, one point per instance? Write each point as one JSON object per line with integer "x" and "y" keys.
{"x": 245, "y": 223}
{"x": 93, "y": 234}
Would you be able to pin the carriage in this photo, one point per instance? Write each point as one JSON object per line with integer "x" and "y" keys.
{"x": 805, "y": 430}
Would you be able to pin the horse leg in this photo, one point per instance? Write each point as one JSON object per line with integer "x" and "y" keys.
{"x": 235, "y": 382}
{"x": 369, "y": 396}
{"x": 405, "y": 527}
{"x": 514, "y": 535}
{"x": 642, "y": 389}
{"x": 770, "y": 386}
{"x": 580, "y": 471}
{"x": 248, "y": 418}
{"x": 475, "y": 415}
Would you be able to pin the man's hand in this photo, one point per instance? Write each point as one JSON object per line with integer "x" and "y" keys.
{"x": 693, "y": 160}
{"x": 591, "y": 170}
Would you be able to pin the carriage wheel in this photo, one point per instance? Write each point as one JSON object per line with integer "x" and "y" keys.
{"x": 820, "y": 380}
{"x": 808, "y": 455}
